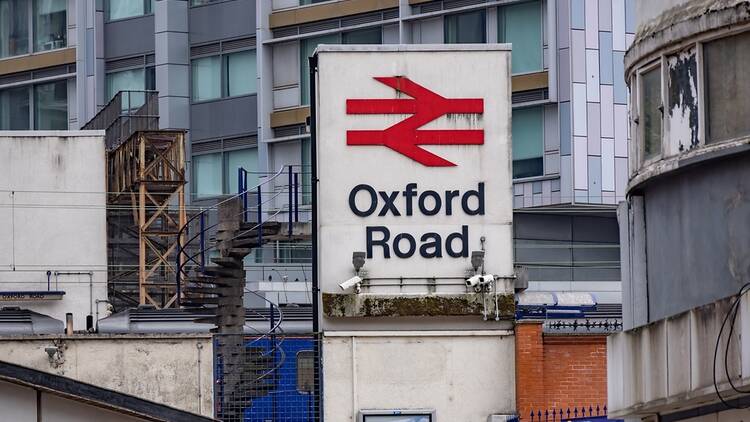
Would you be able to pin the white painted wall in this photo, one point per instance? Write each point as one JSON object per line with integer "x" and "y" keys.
{"x": 53, "y": 214}
{"x": 463, "y": 378}
{"x": 175, "y": 370}
{"x": 19, "y": 404}
{"x": 474, "y": 72}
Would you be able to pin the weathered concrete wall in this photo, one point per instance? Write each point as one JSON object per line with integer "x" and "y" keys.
{"x": 667, "y": 366}
{"x": 462, "y": 377}
{"x": 697, "y": 235}
{"x": 647, "y": 10}
{"x": 175, "y": 370}
{"x": 52, "y": 205}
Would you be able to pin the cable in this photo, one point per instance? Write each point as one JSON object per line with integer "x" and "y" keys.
{"x": 733, "y": 310}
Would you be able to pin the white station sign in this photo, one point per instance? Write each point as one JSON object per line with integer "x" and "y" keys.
{"x": 413, "y": 162}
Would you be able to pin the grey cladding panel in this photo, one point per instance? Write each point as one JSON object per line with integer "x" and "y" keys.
{"x": 542, "y": 227}
{"x": 698, "y": 236}
{"x": 228, "y": 19}
{"x": 595, "y": 229}
{"x": 229, "y": 117}
{"x": 129, "y": 37}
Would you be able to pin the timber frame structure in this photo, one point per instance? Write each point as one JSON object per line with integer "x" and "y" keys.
{"x": 146, "y": 178}
{"x": 145, "y": 201}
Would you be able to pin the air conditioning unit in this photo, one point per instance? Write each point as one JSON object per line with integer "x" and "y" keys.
{"x": 502, "y": 418}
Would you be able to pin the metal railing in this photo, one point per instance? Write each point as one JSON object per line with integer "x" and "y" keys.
{"x": 192, "y": 250}
{"x": 126, "y": 113}
{"x": 593, "y": 413}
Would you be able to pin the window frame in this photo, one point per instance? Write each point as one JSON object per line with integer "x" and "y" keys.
{"x": 223, "y": 76}
{"x": 151, "y": 6}
{"x": 482, "y": 11}
{"x": 641, "y": 144}
{"x": 364, "y": 413}
{"x": 297, "y": 372}
{"x": 30, "y": 88}
{"x": 304, "y": 60}
{"x": 146, "y": 69}
{"x": 31, "y": 33}
{"x": 544, "y": 174}
{"x": 501, "y": 31}
{"x": 223, "y": 160}
{"x": 703, "y": 94}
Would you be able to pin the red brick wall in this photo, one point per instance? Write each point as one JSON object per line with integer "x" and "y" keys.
{"x": 558, "y": 371}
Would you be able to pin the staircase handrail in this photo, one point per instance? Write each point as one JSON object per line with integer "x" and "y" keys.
{"x": 181, "y": 247}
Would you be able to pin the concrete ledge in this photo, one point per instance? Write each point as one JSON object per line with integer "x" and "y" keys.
{"x": 349, "y": 305}
{"x": 292, "y": 116}
{"x": 529, "y": 81}
{"x": 37, "y": 61}
{"x": 324, "y": 11}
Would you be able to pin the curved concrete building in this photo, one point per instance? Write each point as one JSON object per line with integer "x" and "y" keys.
{"x": 684, "y": 229}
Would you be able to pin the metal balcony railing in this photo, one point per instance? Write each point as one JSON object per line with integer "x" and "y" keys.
{"x": 126, "y": 113}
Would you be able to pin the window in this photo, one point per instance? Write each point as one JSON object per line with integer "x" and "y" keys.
{"x": 651, "y": 115}
{"x": 48, "y": 31}
{"x": 50, "y": 24}
{"x": 142, "y": 79}
{"x": 206, "y": 78}
{"x": 397, "y": 416}
{"x": 207, "y": 175}
{"x": 307, "y": 47}
{"x": 363, "y": 36}
{"x": 14, "y": 27}
{"x": 216, "y": 173}
{"x": 233, "y": 160}
{"x": 241, "y": 73}
{"x": 569, "y": 252}
{"x": 528, "y": 142}
{"x": 227, "y": 75}
{"x": 39, "y": 107}
{"x": 727, "y": 87}
{"x": 521, "y": 25}
{"x": 305, "y": 371}
{"x": 304, "y": 2}
{"x": 121, "y": 9}
{"x": 14, "y": 109}
{"x": 465, "y": 28}
{"x": 51, "y": 106}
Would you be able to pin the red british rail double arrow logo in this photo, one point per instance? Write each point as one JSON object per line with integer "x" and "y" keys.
{"x": 424, "y": 106}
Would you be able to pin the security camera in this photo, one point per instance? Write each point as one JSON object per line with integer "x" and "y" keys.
{"x": 352, "y": 282}
{"x": 479, "y": 280}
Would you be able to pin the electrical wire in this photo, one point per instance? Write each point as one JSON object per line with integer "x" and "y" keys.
{"x": 733, "y": 311}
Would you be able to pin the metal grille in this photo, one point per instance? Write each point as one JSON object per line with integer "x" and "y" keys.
{"x": 238, "y": 44}
{"x": 137, "y": 61}
{"x": 200, "y": 50}
{"x": 269, "y": 377}
{"x": 584, "y": 413}
{"x": 531, "y": 95}
{"x": 455, "y": 4}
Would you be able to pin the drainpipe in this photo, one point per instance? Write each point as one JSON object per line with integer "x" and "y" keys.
{"x": 97, "y": 302}
{"x": 89, "y": 318}
{"x": 200, "y": 385}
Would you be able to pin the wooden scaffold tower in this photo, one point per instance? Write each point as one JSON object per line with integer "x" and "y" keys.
{"x": 147, "y": 178}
